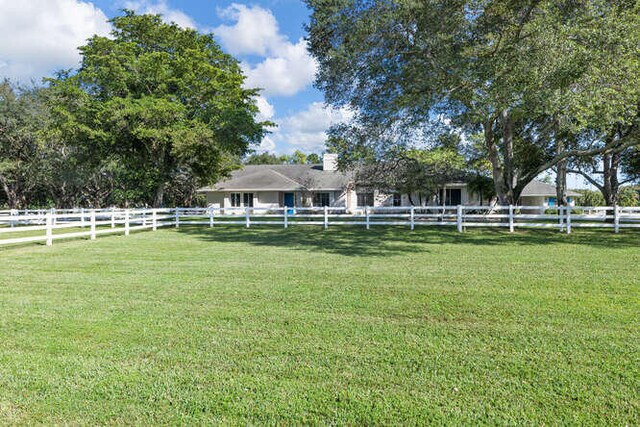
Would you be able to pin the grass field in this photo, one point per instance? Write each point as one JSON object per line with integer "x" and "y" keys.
{"x": 341, "y": 326}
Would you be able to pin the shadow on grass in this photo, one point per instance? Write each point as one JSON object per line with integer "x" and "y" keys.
{"x": 389, "y": 240}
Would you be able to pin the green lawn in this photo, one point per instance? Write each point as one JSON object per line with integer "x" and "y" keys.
{"x": 344, "y": 326}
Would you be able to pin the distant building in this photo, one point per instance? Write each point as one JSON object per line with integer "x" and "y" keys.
{"x": 276, "y": 186}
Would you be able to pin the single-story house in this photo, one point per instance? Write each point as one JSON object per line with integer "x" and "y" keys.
{"x": 277, "y": 186}
{"x": 539, "y": 193}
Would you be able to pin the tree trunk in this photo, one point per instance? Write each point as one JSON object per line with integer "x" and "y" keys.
{"x": 158, "y": 198}
{"x": 611, "y": 185}
{"x": 496, "y": 164}
{"x": 607, "y": 191}
{"x": 561, "y": 176}
{"x": 12, "y": 198}
{"x": 507, "y": 141}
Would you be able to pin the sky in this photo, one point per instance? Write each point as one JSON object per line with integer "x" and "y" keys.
{"x": 38, "y": 37}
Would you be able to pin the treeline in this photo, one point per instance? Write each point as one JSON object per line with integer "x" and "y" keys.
{"x": 532, "y": 86}
{"x": 628, "y": 195}
{"x": 296, "y": 158}
{"x": 153, "y": 113}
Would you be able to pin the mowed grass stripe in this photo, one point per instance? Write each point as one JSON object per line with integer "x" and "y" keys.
{"x": 310, "y": 326}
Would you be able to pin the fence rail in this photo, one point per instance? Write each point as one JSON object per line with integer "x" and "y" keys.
{"x": 25, "y": 226}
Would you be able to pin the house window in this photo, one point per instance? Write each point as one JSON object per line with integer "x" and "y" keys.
{"x": 451, "y": 196}
{"x": 235, "y": 200}
{"x": 321, "y": 199}
{"x": 365, "y": 199}
{"x": 248, "y": 200}
{"x": 397, "y": 199}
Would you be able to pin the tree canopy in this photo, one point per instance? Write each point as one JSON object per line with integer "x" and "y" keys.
{"x": 296, "y": 158}
{"x": 156, "y": 103}
{"x": 526, "y": 75}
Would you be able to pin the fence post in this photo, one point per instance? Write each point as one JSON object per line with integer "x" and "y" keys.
{"x": 49, "y": 222}
{"x": 326, "y": 217}
{"x": 459, "y": 218}
{"x": 248, "y": 218}
{"x": 154, "y": 219}
{"x": 366, "y": 215}
{"x": 560, "y": 218}
{"x": 82, "y": 217}
{"x": 412, "y": 217}
{"x": 113, "y": 218}
{"x": 286, "y": 217}
{"x": 616, "y": 219}
{"x": 144, "y": 217}
{"x": 126, "y": 222}
{"x": 93, "y": 224}
{"x": 11, "y": 220}
{"x": 210, "y": 216}
{"x": 510, "y": 218}
{"x": 177, "y": 221}
{"x": 568, "y": 219}
{"x": 53, "y": 211}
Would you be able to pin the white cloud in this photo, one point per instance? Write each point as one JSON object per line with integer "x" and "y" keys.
{"x": 38, "y": 37}
{"x": 255, "y": 31}
{"x": 306, "y": 130}
{"x": 286, "y": 74}
{"x": 287, "y": 68}
{"x": 267, "y": 145}
{"x": 161, "y": 8}
{"x": 266, "y": 110}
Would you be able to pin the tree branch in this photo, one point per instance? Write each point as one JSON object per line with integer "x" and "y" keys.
{"x": 587, "y": 177}
{"x": 607, "y": 149}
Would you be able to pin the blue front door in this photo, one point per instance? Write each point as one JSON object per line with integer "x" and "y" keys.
{"x": 289, "y": 200}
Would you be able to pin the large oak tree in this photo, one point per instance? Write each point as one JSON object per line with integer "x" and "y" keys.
{"x": 159, "y": 103}
{"x": 526, "y": 74}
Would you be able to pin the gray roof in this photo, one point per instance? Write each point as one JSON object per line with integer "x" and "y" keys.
{"x": 539, "y": 188}
{"x": 281, "y": 178}
{"x": 313, "y": 177}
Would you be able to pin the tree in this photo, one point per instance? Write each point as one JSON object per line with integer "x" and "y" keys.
{"x": 297, "y": 158}
{"x": 22, "y": 116}
{"x": 314, "y": 158}
{"x": 164, "y": 101}
{"x": 265, "y": 159}
{"x": 590, "y": 198}
{"x": 615, "y": 167}
{"x": 629, "y": 196}
{"x": 419, "y": 172}
{"x": 521, "y": 72}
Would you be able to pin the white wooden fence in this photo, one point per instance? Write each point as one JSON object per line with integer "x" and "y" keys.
{"x": 49, "y": 225}
{"x": 28, "y": 226}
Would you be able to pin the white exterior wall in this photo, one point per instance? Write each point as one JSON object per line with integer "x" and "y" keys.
{"x": 215, "y": 199}
{"x": 348, "y": 198}
{"x": 466, "y": 198}
{"x": 351, "y": 199}
{"x": 261, "y": 199}
{"x": 340, "y": 199}
{"x": 534, "y": 201}
{"x": 540, "y": 201}
{"x": 266, "y": 199}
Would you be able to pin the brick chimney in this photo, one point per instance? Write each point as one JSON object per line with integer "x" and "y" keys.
{"x": 330, "y": 162}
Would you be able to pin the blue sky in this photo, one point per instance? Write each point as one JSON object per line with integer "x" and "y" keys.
{"x": 39, "y": 36}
